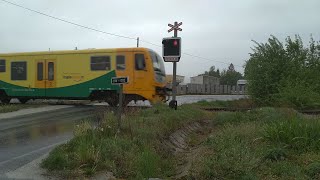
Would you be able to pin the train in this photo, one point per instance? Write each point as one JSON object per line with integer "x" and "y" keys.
{"x": 83, "y": 75}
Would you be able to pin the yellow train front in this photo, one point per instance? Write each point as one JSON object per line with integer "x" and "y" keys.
{"x": 82, "y": 74}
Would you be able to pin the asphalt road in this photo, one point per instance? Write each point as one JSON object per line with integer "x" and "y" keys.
{"x": 26, "y": 137}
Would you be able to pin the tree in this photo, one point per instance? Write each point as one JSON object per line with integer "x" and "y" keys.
{"x": 284, "y": 73}
{"x": 230, "y": 76}
{"x": 212, "y": 72}
{"x": 231, "y": 67}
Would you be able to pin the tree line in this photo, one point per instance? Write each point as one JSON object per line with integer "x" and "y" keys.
{"x": 227, "y": 77}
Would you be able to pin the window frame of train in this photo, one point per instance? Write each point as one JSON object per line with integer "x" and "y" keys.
{"x": 138, "y": 65}
{"x": 51, "y": 74}
{"x": 14, "y": 72}
{"x": 95, "y": 65}
{"x": 121, "y": 66}
{"x": 2, "y": 65}
{"x": 40, "y": 66}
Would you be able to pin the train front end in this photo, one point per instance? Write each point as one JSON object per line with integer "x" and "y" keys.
{"x": 161, "y": 92}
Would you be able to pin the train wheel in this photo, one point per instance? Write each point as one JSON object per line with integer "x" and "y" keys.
{"x": 5, "y": 101}
{"x": 23, "y": 100}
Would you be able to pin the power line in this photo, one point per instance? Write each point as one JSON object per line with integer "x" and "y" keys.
{"x": 207, "y": 59}
{"x": 66, "y": 21}
{"x": 150, "y": 43}
{"x": 104, "y": 32}
{"x": 191, "y": 55}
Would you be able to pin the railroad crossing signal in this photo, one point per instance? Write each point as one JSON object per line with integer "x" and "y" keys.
{"x": 171, "y": 49}
{"x": 171, "y": 52}
{"x": 175, "y": 27}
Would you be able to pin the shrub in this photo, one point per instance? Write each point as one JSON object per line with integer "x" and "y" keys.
{"x": 284, "y": 73}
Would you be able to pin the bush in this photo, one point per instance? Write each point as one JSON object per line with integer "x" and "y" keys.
{"x": 299, "y": 95}
{"x": 284, "y": 73}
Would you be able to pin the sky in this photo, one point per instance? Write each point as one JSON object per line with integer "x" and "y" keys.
{"x": 221, "y": 31}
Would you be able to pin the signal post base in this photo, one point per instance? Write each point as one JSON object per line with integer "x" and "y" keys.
{"x": 173, "y": 104}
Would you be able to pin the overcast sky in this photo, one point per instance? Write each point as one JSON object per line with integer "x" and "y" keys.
{"x": 220, "y": 30}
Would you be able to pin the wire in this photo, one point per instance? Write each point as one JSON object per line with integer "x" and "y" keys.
{"x": 191, "y": 55}
{"x": 207, "y": 59}
{"x": 150, "y": 43}
{"x": 66, "y": 21}
{"x": 104, "y": 32}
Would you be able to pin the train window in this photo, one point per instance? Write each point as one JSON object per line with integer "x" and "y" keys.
{"x": 140, "y": 62}
{"x": 50, "y": 71}
{"x": 2, "y": 65}
{"x": 121, "y": 62}
{"x": 18, "y": 70}
{"x": 100, "y": 63}
{"x": 40, "y": 71}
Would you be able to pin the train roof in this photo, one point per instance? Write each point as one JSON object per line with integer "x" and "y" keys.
{"x": 84, "y": 51}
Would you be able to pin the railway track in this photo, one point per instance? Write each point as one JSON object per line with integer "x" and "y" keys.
{"x": 227, "y": 109}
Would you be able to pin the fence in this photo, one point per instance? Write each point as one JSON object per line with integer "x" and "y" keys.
{"x": 210, "y": 89}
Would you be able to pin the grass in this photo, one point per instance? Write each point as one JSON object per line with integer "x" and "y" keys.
{"x": 14, "y": 107}
{"x": 241, "y": 103}
{"x": 134, "y": 153}
{"x": 265, "y": 143}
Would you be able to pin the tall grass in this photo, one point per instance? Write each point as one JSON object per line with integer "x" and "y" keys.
{"x": 297, "y": 133}
{"x": 240, "y": 103}
{"x": 265, "y": 143}
{"x": 134, "y": 153}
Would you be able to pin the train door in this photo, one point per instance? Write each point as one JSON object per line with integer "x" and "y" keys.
{"x": 50, "y": 74}
{"x": 140, "y": 71}
{"x": 40, "y": 78}
{"x": 124, "y": 68}
{"x": 45, "y": 77}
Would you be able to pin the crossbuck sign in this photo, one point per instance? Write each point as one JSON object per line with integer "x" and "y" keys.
{"x": 175, "y": 27}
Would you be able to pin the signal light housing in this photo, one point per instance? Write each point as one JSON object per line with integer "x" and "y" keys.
{"x": 171, "y": 49}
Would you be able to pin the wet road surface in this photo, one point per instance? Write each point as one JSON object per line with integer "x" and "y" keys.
{"x": 24, "y": 138}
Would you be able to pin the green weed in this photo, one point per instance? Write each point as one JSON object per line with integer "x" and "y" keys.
{"x": 265, "y": 143}
{"x": 298, "y": 134}
{"x": 134, "y": 153}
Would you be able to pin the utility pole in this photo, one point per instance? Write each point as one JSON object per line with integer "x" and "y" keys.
{"x": 174, "y": 79}
{"x": 137, "y": 41}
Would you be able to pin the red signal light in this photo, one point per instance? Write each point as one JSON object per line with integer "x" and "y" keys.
{"x": 175, "y": 43}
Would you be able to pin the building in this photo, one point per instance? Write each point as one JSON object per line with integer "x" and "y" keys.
{"x": 205, "y": 79}
{"x": 241, "y": 82}
{"x": 179, "y": 79}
